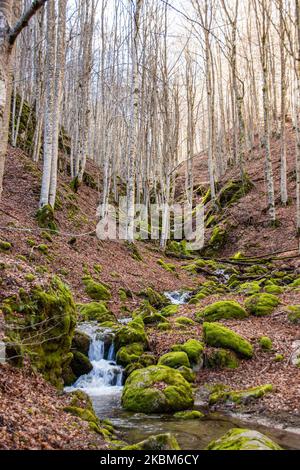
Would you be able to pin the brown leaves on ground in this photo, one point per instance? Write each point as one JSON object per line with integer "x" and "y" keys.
{"x": 32, "y": 416}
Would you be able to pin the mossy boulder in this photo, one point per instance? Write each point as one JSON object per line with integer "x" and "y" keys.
{"x": 221, "y": 359}
{"x": 167, "y": 266}
{"x": 154, "y": 298}
{"x": 169, "y": 310}
{"x": 233, "y": 191}
{"x": 158, "y": 443}
{"x": 184, "y": 321}
{"x": 239, "y": 396}
{"x": 273, "y": 289}
{"x": 219, "y": 336}
{"x": 265, "y": 343}
{"x": 134, "y": 332}
{"x": 194, "y": 350}
{"x": 164, "y": 326}
{"x": 81, "y": 342}
{"x": 217, "y": 240}
{"x": 157, "y": 389}
{"x": 187, "y": 373}
{"x": 190, "y": 414}
{"x": 249, "y": 288}
{"x": 96, "y": 290}
{"x": 243, "y": 439}
{"x": 80, "y": 364}
{"x": 222, "y": 310}
{"x": 5, "y": 246}
{"x": 40, "y": 324}
{"x": 294, "y": 314}
{"x": 261, "y": 304}
{"x": 174, "y": 360}
{"x": 96, "y": 311}
{"x": 130, "y": 353}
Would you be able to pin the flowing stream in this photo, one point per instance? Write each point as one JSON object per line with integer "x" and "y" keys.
{"x": 104, "y": 385}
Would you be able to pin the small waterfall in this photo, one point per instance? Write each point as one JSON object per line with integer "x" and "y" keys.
{"x": 178, "y": 298}
{"x": 106, "y": 376}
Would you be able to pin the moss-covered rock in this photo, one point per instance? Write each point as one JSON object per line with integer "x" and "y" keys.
{"x": 130, "y": 353}
{"x": 169, "y": 310}
{"x": 217, "y": 240}
{"x": 164, "y": 326}
{"x": 80, "y": 364}
{"x": 222, "y": 310}
{"x": 187, "y": 373}
{"x": 221, "y": 358}
{"x": 194, "y": 350}
{"x": 294, "y": 314}
{"x": 184, "y": 321}
{"x": 134, "y": 332}
{"x": 40, "y": 324}
{"x": 261, "y": 304}
{"x": 249, "y": 288}
{"x": 96, "y": 290}
{"x": 273, "y": 289}
{"x": 5, "y": 246}
{"x": 265, "y": 343}
{"x": 190, "y": 414}
{"x": 243, "y": 439}
{"x": 96, "y": 311}
{"x": 174, "y": 360}
{"x": 81, "y": 342}
{"x": 154, "y": 298}
{"x": 157, "y": 389}
{"x": 239, "y": 396}
{"x": 219, "y": 336}
{"x": 159, "y": 442}
{"x": 233, "y": 191}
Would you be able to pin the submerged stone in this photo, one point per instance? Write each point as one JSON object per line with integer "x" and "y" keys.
{"x": 243, "y": 439}
{"x": 159, "y": 442}
{"x": 190, "y": 414}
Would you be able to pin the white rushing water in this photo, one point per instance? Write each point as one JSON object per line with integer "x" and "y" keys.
{"x": 106, "y": 375}
{"x": 178, "y": 298}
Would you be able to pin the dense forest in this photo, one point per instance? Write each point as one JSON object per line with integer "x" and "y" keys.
{"x": 149, "y": 225}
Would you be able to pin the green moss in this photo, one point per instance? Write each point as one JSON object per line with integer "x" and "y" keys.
{"x": 158, "y": 443}
{"x": 22, "y": 258}
{"x": 169, "y": 310}
{"x": 40, "y": 324}
{"x": 177, "y": 248}
{"x": 222, "y": 310}
{"x": 174, "y": 360}
{"x": 233, "y": 191}
{"x": 122, "y": 294}
{"x": 217, "y": 240}
{"x": 166, "y": 266}
{"x": 240, "y": 396}
{"x": 134, "y": 252}
{"x": 219, "y": 336}
{"x": 129, "y": 354}
{"x": 80, "y": 364}
{"x": 164, "y": 326}
{"x": 30, "y": 277}
{"x": 295, "y": 283}
{"x": 273, "y": 289}
{"x": 5, "y": 246}
{"x": 261, "y": 304}
{"x": 265, "y": 343}
{"x": 294, "y": 314}
{"x": 157, "y": 389}
{"x": 207, "y": 197}
{"x": 194, "y": 350}
{"x": 221, "y": 358}
{"x": 188, "y": 374}
{"x": 96, "y": 311}
{"x": 134, "y": 332}
{"x": 81, "y": 342}
{"x": 249, "y": 288}
{"x": 190, "y": 414}
{"x": 184, "y": 321}
{"x": 279, "y": 358}
{"x": 45, "y": 218}
{"x": 238, "y": 255}
{"x": 154, "y": 298}
{"x": 96, "y": 290}
{"x": 243, "y": 439}
{"x": 43, "y": 249}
